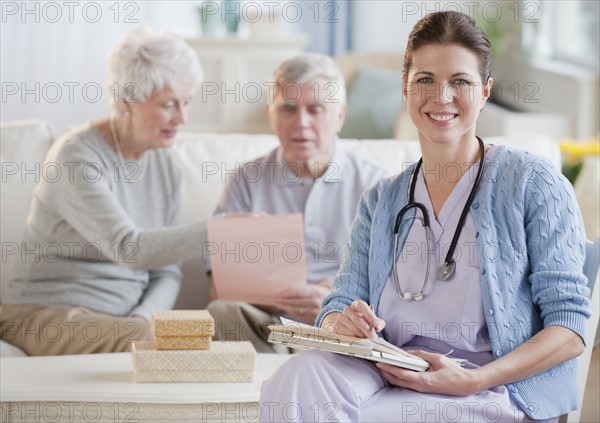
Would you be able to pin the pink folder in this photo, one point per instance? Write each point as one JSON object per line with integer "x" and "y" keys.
{"x": 254, "y": 258}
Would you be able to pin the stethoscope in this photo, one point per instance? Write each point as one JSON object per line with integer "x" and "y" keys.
{"x": 447, "y": 268}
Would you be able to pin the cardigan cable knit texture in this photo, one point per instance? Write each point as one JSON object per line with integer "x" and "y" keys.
{"x": 531, "y": 243}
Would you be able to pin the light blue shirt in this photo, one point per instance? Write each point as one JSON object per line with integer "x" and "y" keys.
{"x": 531, "y": 243}
{"x": 328, "y": 204}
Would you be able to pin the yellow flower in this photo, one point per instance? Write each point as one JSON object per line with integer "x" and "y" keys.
{"x": 575, "y": 151}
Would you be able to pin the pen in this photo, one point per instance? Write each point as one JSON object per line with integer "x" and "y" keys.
{"x": 373, "y": 310}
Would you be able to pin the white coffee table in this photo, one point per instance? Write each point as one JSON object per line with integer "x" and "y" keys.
{"x": 99, "y": 388}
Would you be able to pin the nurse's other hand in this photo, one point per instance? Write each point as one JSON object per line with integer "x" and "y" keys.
{"x": 358, "y": 320}
{"x": 445, "y": 376}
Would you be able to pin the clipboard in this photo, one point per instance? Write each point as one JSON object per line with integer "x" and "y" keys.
{"x": 300, "y": 336}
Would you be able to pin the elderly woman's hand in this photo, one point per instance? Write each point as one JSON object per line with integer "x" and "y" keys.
{"x": 445, "y": 376}
{"x": 356, "y": 320}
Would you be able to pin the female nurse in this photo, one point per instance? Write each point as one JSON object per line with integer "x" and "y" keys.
{"x": 474, "y": 253}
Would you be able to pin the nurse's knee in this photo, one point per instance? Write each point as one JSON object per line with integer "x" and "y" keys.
{"x": 309, "y": 363}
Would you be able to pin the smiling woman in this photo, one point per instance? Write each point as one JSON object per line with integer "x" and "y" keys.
{"x": 445, "y": 94}
{"x": 105, "y": 241}
{"x": 516, "y": 316}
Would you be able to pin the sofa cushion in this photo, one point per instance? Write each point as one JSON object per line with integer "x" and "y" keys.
{"x": 23, "y": 147}
{"x": 374, "y": 102}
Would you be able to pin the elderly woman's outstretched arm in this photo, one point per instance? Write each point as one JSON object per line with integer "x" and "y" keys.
{"x": 90, "y": 206}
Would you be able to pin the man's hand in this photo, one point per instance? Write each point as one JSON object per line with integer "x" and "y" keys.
{"x": 303, "y": 304}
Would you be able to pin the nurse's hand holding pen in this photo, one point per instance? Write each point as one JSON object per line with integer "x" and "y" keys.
{"x": 358, "y": 319}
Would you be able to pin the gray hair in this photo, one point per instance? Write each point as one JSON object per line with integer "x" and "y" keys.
{"x": 147, "y": 61}
{"x": 307, "y": 67}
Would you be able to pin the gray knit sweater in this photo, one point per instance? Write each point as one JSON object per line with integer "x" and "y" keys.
{"x": 99, "y": 235}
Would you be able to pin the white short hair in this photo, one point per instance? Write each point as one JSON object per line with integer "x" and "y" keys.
{"x": 147, "y": 61}
{"x": 307, "y": 67}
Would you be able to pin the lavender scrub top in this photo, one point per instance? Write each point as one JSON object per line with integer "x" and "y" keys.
{"x": 450, "y": 316}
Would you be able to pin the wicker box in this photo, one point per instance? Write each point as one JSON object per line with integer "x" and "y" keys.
{"x": 182, "y": 323}
{"x": 224, "y": 362}
{"x": 192, "y": 376}
{"x": 182, "y": 342}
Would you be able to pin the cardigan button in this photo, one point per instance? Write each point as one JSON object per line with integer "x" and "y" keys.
{"x": 483, "y": 271}
{"x": 498, "y": 353}
{"x": 476, "y": 234}
{"x": 475, "y": 206}
{"x": 491, "y": 312}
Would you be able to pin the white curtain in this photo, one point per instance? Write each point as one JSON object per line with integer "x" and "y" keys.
{"x": 53, "y": 59}
{"x": 330, "y": 23}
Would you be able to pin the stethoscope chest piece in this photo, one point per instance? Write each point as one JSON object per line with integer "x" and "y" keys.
{"x": 446, "y": 270}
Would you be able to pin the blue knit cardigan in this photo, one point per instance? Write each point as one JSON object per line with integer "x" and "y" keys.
{"x": 531, "y": 243}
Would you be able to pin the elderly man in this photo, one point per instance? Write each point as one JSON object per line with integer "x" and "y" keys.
{"x": 314, "y": 175}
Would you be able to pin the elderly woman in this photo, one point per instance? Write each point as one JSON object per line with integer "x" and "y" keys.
{"x": 103, "y": 245}
{"x": 496, "y": 279}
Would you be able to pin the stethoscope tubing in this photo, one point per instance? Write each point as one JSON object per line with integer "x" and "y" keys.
{"x": 447, "y": 268}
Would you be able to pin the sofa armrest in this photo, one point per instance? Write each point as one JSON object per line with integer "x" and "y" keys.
{"x": 24, "y": 145}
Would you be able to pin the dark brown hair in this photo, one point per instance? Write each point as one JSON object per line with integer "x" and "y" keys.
{"x": 450, "y": 28}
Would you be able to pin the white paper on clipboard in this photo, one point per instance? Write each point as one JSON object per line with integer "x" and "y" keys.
{"x": 254, "y": 258}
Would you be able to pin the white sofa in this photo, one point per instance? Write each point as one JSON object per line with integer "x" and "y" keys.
{"x": 204, "y": 160}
